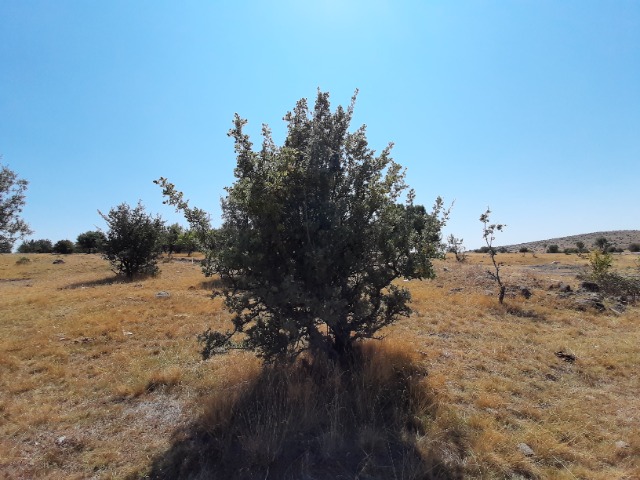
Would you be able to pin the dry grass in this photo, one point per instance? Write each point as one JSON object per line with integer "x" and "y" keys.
{"x": 102, "y": 379}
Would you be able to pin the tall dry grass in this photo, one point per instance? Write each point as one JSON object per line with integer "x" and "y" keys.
{"x": 100, "y": 378}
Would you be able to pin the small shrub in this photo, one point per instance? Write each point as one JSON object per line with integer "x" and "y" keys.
{"x": 634, "y": 247}
{"x": 553, "y": 249}
{"x": 523, "y": 250}
{"x": 23, "y": 261}
{"x": 602, "y": 244}
{"x": 600, "y": 263}
{"x": 569, "y": 251}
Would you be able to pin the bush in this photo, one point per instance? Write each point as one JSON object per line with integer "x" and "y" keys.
{"x": 569, "y": 251}
{"x": 63, "y": 247}
{"x": 600, "y": 263}
{"x": 36, "y": 246}
{"x": 634, "y": 247}
{"x": 133, "y": 240}
{"x": 523, "y": 250}
{"x": 553, "y": 249}
{"x": 602, "y": 244}
{"x": 23, "y": 261}
{"x": 314, "y": 237}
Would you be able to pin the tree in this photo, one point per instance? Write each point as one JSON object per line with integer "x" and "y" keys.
{"x": 455, "y": 246}
{"x": 133, "y": 240}
{"x": 63, "y": 247}
{"x": 553, "y": 249}
{"x": 314, "y": 234}
{"x": 188, "y": 242}
{"x": 36, "y": 246}
{"x": 12, "y": 201}
{"x": 488, "y": 233}
{"x": 171, "y": 238}
{"x": 91, "y": 242}
{"x": 580, "y": 246}
{"x": 602, "y": 244}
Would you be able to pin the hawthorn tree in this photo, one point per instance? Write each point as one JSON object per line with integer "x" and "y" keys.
{"x": 314, "y": 234}
{"x": 12, "y": 201}
{"x": 132, "y": 243}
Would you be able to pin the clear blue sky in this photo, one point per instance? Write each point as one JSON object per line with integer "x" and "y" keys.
{"x": 531, "y": 107}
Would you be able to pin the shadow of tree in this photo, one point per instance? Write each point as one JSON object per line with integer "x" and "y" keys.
{"x": 110, "y": 280}
{"x": 316, "y": 420}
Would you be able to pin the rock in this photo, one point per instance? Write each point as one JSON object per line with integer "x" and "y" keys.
{"x": 525, "y": 292}
{"x": 590, "y": 286}
{"x": 620, "y": 444}
{"x": 457, "y": 289}
{"x": 445, "y": 269}
{"x": 592, "y": 301}
{"x": 526, "y": 450}
{"x": 58, "y": 261}
{"x": 162, "y": 294}
{"x": 61, "y": 440}
{"x": 564, "y": 288}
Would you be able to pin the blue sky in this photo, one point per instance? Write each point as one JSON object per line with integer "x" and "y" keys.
{"x": 531, "y": 107}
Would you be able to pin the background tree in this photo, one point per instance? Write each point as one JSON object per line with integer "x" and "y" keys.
{"x": 171, "y": 238}
{"x": 91, "y": 242}
{"x": 12, "y": 227}
{"x": 488, "y": 233}
{"x": 188, "y": 242}
{"x": 455, "y": 246}
{"x": 313, "y": 236}
{"x": 63, "y": 247}
{"x": 553, "y": 249}
{"x": 602, "y": 244}
{"x": 133, "y": 240}
{"x": 580, "y": 246}
{"x": 36, "y": 246}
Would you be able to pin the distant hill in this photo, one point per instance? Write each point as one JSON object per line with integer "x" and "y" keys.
{"x": 617, "y": 238}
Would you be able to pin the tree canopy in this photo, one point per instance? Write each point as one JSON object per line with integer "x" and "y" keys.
{"x": 12, "y": 200}
{"x": 314, "y": 234}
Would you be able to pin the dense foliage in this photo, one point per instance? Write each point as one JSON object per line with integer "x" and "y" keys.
{"x": 63, "y": 247}
{"x": 36, "y": 246}
{"x": 133, "y": 240}
{"x": 12, "y": 201}
{"x": 91, "y": 242}
{"x": 314, "y": 235}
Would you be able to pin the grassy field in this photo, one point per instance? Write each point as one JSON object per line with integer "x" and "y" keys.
{"x": 101, "y": 378}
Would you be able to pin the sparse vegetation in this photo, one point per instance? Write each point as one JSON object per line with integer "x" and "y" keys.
{"x": 456, "y": 246}
{"x": 488, "y": 234}
{"x": 133, "y": 240}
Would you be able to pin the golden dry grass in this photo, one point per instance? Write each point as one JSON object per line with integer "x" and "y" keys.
{"x": 100, "y": 378}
